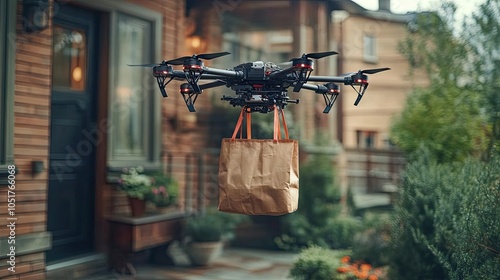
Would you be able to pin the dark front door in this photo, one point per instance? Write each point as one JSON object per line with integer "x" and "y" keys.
{"x": 72, "y": 148}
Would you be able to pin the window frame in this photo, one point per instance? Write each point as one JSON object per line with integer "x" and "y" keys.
{"x": 115, "y": 8}
{"x": 7, "y": 80}
{"x": 366, "y": 139}
{"x": 368, "y": 56}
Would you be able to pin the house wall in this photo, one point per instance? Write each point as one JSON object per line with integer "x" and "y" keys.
{"x": 182, "y": 133}
{"x": 31, "y": 143}
{"x": 387, "y": 92}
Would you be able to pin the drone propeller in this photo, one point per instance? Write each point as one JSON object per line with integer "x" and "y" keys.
{"x": 207, "y": 56}
{"x": 367, "y": 71}
{"x": 317, "y": 55}
{"x": 143, "y": 65}
{"x": 163, "y": 63}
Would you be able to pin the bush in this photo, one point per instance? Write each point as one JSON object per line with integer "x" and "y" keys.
{"x": 315, "y": 263}
{"x": 445, "y": 223}
{"x": 318, "y": 206}
{"x": 340, "y": 232}
{"x": 372, "y": 243}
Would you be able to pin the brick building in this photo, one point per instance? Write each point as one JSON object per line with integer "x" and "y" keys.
{"x": 73, "y": 114}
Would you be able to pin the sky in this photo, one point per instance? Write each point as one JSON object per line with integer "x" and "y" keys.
{"x": 464, "y": 7}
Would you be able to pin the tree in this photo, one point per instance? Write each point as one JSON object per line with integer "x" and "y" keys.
{"x": 444, "y": 117}
{"x": 483, "y": 36}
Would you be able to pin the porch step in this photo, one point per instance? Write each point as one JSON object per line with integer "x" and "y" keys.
{"x": 77, "y": 268}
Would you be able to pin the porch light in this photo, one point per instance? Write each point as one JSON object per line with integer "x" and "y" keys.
{"x": 35, "y": 15}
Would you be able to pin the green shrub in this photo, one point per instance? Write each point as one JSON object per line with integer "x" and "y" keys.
{"x": 315, "y": 263}
{"x": 475, "y": 232}
{"x": 340, "y": 232}
{"x": 372, "y": 243}
{"x": 318, "y": 206}
{"x": 446, "y": 221}
{"x": 414, "y": 226}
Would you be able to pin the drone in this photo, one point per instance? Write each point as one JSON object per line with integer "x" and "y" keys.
{"x": 259, "y": 86}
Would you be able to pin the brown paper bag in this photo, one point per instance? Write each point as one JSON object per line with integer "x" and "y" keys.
{"x": 257, "y": 176}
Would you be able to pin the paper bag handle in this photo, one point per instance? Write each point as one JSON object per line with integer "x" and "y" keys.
{"x": 277, "y": 130}
{"x": 244, "y": 112}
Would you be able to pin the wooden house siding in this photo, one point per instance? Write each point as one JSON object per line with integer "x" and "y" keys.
{"x": 181, "y": 132}
{"x": 31, "y": 142}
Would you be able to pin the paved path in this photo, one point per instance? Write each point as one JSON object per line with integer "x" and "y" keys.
{"x": 233, "y": 264}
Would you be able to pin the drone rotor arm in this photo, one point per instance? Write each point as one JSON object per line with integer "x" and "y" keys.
{"x": 212, "y": 85}
{"x": 320, "y": 89}
{"x": 327, "y": 79}
{"x": 222, "y": 72}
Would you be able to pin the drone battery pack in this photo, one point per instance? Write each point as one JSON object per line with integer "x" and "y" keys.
{"x": 259, "y": 176}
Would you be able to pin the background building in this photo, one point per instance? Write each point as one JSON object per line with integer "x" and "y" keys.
{"x": 73, "y": 114}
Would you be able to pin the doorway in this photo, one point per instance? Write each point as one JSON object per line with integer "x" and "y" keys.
{"x": 71, "y": 190}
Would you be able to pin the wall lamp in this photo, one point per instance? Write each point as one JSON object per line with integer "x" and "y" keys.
{"x": 35, "y": 15}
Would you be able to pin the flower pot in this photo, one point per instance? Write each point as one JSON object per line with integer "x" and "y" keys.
{"x": 203, "y": 253}
{"x": 137, "y": 206}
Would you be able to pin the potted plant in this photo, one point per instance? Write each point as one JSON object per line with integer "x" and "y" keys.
{"x": 206, "y": 235}
{"x": 136, "y": 186}
{"x": 164, "y": 192}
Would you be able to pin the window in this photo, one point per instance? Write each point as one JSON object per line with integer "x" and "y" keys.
{"x": 70, "y": 57}
{"x": 369, "y": 49}
{"x": 365, "y": 139}
{"x": 7, "y": 66}
{"x": 134, "y": 108}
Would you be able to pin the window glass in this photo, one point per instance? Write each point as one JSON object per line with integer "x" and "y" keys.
{"x": 365, "y": 139}
{"x": 69, "y": 58}
{"x": 131, "y": 108}
{"x": 369, "y": 48}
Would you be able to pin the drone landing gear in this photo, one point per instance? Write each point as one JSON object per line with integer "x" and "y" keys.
{"x": 161, "y": 84}
{"x": 189, "y": 96}
{"x": 330, "y": 98}
{"x": 360, "y": 92}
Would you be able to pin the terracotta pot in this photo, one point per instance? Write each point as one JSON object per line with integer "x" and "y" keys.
{"x": 137, "y": 206}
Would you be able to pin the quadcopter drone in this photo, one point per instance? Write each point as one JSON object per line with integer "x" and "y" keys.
{"x": 258, "y": 85}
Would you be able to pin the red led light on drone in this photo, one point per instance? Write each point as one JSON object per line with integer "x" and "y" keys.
{"x": 192, "y": 67}
{"x": 303, "y": 65}
{"x": 360, "y": 81}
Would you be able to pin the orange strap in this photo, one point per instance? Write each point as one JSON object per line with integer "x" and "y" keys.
{"x": 285, "y": 127}
{"x": 244, "y": 112}
{"x": 277, "y": 130}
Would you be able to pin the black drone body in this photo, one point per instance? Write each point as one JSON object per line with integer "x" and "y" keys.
{"x": 258, "y": 85}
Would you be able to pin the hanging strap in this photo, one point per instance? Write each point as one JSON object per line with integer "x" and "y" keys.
{"x": 277, "y": 130}
{"x": 244, "y": 112}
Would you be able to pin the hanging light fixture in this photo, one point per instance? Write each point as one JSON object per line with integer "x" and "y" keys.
{"x": 35, "y": 15}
